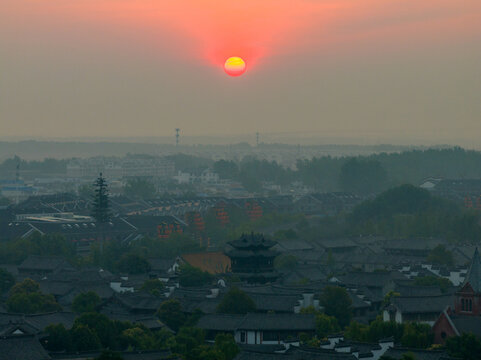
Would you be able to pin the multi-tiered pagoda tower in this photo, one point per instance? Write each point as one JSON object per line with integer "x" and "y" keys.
{"x": 252, "y": 258}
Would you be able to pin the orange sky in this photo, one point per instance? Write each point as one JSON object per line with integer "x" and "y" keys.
{"x": 213, "y": 30}
{"x": 71, "y": 61}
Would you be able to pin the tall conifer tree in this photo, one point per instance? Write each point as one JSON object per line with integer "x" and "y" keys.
{"x": 101, "y": 206}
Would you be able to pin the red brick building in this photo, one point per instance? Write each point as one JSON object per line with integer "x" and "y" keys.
{"x": 466, "y": 316}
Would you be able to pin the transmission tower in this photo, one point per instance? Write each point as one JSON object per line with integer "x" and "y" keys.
{"x": 177, "y": 136}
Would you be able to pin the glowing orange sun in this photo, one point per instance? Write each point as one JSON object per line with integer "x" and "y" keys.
{"x": 235, "y": 66}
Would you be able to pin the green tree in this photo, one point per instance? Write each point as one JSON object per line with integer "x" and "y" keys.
{"x": 170, "y": 313}
{"x": 101, "y": 202}
{"x": 409, "y": 334}
{"x": 236, "y": 301}
{"x": 101, "y": 211}
{"x": 337, "y": 303}
{"x": 326, "y": 325}
{"x": 86, "y": 302}
{"x": 6, "y": 281}
{"x": 417, "y": 335}
{"x": 192, "y": 276}
{"x": 153, "y": 286}
{"x": 187, "y": 339}
{"x": 58, "y": 338}
{"x": 356, "y": 331}
{"x": 362, "y": 176}
{"x": 138, "y": 338}
{"x": 27, "y": 286}
{"x": 441, "y": 256}
{"x": 139, "y": 188}
{"x": 443, "y": 283}
{"x": 466, "y": 346}
{"x": 388, "y": 297}
{"x": 204, "y": 352}
{"x": 100, "y": 325}
{"x": 133, "y": 264}
{"x": 84, "y": 339}
{"x": 226, "y": 169}
{"x": 26, "y": 298}
{"x": 226, "y": 344}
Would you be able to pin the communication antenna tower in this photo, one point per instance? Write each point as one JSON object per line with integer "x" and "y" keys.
{"x": 177, "y": 136}
{"x": 17, "y": 183}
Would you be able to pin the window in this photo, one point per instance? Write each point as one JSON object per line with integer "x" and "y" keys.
{"x": 467, "y": 305}
{"x": 270, "y": 336}
{"x": 443, "y": 335}
{"x": 243, "y": 337}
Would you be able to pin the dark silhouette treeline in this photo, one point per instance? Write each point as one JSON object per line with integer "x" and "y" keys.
{"x": 360, "y": 174}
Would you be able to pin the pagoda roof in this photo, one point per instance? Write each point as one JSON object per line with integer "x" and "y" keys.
{"x": 252, "y": 240}
{"x": 473, "y": 277}
{"x": 236, "y": 253}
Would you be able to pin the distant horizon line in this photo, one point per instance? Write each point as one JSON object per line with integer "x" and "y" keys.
{"x": 250, "y": 139}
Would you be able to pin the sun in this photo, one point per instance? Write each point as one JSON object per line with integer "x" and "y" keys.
{"x": 235, "y": 66}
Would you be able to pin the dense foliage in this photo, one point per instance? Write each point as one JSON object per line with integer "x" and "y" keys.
{"x": 133, "y": 264}
{"x": 14, "y": 251}
{"x": 139, "y": 188}
{"x": 86, "y": 302}
{"x": 408, "y": 211}
{"x": 408, "y": 334}
{"x": 441, "y": 256}
{"x": 236, "y": 301}
{"x": 443, "y": 283}
{"x": 26, "y": 298}
{"x": 192, "y": 276}
{"x": 171, "y": 314}
{"x": 337, "y": 303}
{"x": 6, "y": 281}
{"x": 153, "y": 287}
{"x": 466, "y": 346}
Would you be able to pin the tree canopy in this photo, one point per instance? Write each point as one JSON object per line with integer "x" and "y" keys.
{"x": 337, "y": 303}
{"x": 192, "y": 276}
{"x": 26, "y": 298}
{"x": 236, "y": 301}
{"x": 86, "y": 302}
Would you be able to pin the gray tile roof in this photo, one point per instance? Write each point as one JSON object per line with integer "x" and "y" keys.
{"x": 220, "y": 322}
{"x": 20, "y": 347}
{"x": 474, "y": 273}
{"x": 467, "y": 324}
{"x": 39, "y": 321}
{"x": 274, "y": 302}
{"x": 253, "y": 321}
{"x": 43, "y": 263}
{"x": 425, "y": 304}
{"x": 294, "y": 353}
{"x": 397, "y": 354}
{"x": 278, "y": 322}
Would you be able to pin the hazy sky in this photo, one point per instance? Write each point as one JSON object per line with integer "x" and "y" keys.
{"x": 400, "y": 70}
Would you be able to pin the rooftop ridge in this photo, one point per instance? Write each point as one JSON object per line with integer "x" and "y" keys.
{"x": 473, "y": 277}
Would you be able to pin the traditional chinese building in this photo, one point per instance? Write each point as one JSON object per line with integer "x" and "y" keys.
{"x": 252, "y": 258}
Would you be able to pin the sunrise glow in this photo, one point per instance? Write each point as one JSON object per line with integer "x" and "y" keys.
{"x": 235, "y": 66}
